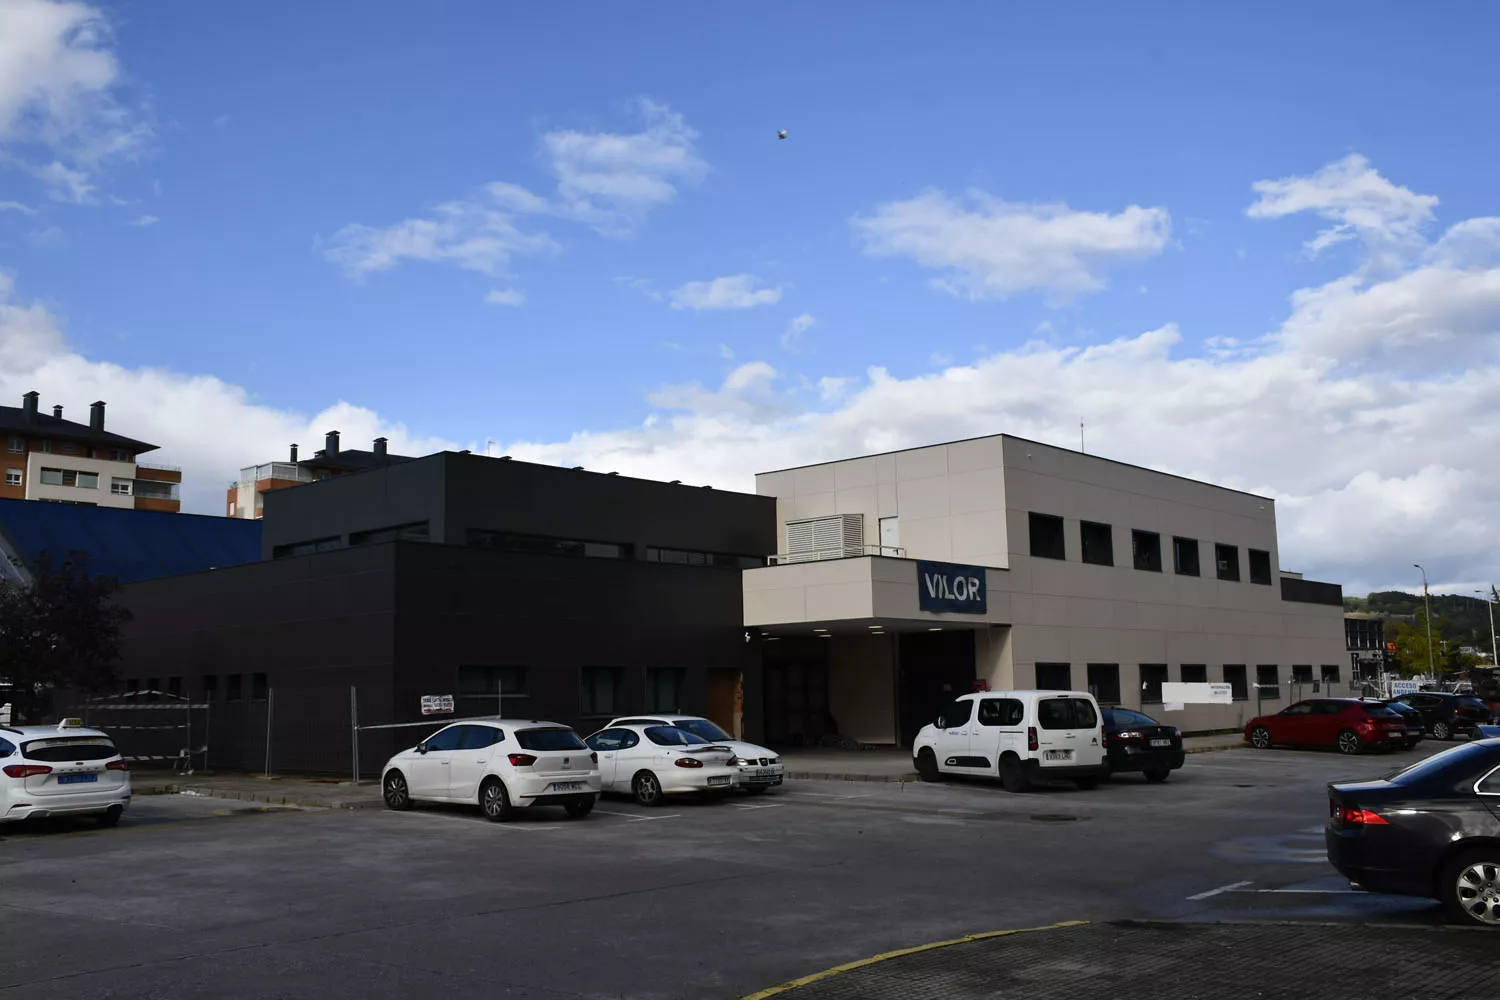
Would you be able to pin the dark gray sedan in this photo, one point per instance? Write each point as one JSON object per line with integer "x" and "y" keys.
{"x": 1431, "y": 829}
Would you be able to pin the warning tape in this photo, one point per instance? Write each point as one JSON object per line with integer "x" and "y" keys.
{"x": 166, "y": 756}
{"x": 169, "y": 707}
{"x": 114, "y": 728}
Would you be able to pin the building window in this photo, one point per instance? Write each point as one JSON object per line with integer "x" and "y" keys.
{"x": 664, "y": 689}
{"x": 152, "y": 490}
{"x": 306, "y": 548}
{"x": 1098, "y": 543}
{"x": 1104, "y": 683}
{"x": 324, "y": 474}
{"x": 44, "y": 446}
{"x": 1146, "y": 547}
{"x": 121, "y": 455}
{"x": 1227, "y": 558}
{"x": 210, "y": 687}
{"x": 599, "y": 694}
{"x": 259, "y": 687}
{"x": 1195, "y": 673}
{"x": 52, "y": 477}
{"x": 717, "y": 560}
{"x": 120, "y": 487}
{"x": 232, "y": 506}
{"x": 487, "y": 690}
{"x": 1268, "y": 682}
{"x": 1047, "y": 537}
{"x": 543, "y": 545}
{"x": 234, "y": 689}
{"x": 1330, "y": 675}
{"x": 70, "y": 477}
{"x": 69, "y": 448}
{"x": 1153, "y": 676}
{"x": 414, "y": 532}
{"x": 1185, "y": 556}
{"x": 14, "y": 477}
{"x": 1054, "y": 677}
{"x": 1260, "y": 567}
{"x": 17, "y": 446}
{"x": 1239, "y": 687}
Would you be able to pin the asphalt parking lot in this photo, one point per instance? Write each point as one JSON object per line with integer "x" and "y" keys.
{"x": 199, "y": 897}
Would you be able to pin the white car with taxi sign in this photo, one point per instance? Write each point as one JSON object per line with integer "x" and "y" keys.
{"x": 651, "y": 762}
{"x": 500, "y": 764}
{"x": 759, "y": 768}
{"x": 62, "y": 770}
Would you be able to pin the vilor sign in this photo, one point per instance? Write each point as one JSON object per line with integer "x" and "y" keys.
{"x": 437, "y": 704}
{"x": 947, "y": 587}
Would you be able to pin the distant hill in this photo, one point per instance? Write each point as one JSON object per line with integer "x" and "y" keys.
{"x": 1464, "y": 620}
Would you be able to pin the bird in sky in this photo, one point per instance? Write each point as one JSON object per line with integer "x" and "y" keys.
{"x": 781, "y": 134}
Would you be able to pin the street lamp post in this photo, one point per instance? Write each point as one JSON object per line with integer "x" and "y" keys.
{"x": 1427, "y": 613}
{"x": 1489, "y": 603}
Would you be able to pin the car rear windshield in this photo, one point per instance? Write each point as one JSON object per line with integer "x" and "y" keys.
{"x": 71, "y": 748}
{"x": 1122, "y": 717}
{"x": 1380, "y": 710}
{"x": 549, "y": 739}
{"x": 671, "y": 736}
{"x": 1456, "y": 761}
{"x": 703, "y": 728}
{"x": 1473, "y": 703}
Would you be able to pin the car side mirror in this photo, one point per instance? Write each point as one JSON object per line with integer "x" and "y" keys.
{"x": 421, "y": 748}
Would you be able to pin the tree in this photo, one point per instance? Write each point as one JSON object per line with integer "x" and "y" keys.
{"x": 1411, "y": 645}
{"x": 61, "y": 631}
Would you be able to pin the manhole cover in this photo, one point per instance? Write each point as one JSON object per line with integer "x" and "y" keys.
{"x": 1054, "y": 818}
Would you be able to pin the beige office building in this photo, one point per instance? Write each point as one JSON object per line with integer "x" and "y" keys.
{"x": 907, "y": 578}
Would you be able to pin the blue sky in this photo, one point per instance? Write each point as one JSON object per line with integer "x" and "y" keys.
{"x": 257, "y": 195}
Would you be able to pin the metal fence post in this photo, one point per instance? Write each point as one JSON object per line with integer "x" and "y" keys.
{"x": 270, "y": 710}
{"x": 354, "y": 728}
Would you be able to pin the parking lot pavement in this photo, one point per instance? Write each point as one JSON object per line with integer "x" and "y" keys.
{"x": 1175, "y": 962}
{"x": 692, "y": 899}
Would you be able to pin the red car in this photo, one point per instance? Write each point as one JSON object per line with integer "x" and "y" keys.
{"x": 1352, "y": 726}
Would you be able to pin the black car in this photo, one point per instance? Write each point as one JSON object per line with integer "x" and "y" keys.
{"x": 1416, "y": 727}
{"x": 1431, "y": 829}
{"x": 1446, "y": 716}
{"x": 1136, "y": 742}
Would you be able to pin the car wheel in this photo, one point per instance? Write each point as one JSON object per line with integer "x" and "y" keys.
{"x": 397, "y": 796}
{"x": 647, "y": 789}
{"x": 1086, "y": 784}
{"x": 1349, "y": 742}
{"x": 578, "y": 810}
{"x": 1157, "y": 775}
{"x": 927, "y": 767}
{"x": 1442, "y": 731}
{"x": 495, "y": 801}
{"x": 110, "y": 817}
{"x": 1012, "y": 775}
{"x": 1471, "y": 887}
{"x": 1260, "y": 738}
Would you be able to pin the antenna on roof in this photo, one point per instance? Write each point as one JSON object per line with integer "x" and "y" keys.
{"x": 1080, "y": 436}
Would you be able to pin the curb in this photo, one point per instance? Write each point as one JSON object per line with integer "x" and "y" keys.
{"x": 263, "y": 797}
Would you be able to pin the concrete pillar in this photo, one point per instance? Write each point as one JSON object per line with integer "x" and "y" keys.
{"x": 993, "y": 659}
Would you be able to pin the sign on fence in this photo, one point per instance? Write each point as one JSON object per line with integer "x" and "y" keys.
{"x": 437, "y": 704}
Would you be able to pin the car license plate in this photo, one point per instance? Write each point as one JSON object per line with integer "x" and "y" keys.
{"x": 718, "y": 779}
{"x": 1057, "y": 755}
{"x": 764, "y": 772}
{"x": 1395, "y": 734}
{"x": 76, "y": 779}
{"x": 1161, "y": 743}
{"x": 567, "y": 786}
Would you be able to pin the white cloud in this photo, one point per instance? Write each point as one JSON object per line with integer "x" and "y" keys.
{"x": 16, "y": 206}
{"x": 606, "y": 180}
{"x": 144, "y": 220}
{"x": 172, "y": 409}
{"x": 726, "y": 352}
{"x": 1354, "y": 197}
{"x": 506, "y": 297}
{"x": 61, "y": 118}
{"x": 791, "y": 337}
{"x": 991, "y": 248}
{"x": 737, "y": 291}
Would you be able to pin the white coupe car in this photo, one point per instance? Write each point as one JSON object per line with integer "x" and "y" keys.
{"x": 501, "y": 764}
{"x": 63, "y": 770}
{"x": 759, "y": 768}
{"x": 651, "y": 762}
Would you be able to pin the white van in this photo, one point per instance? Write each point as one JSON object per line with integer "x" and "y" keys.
{"x": 1019, "y": 737}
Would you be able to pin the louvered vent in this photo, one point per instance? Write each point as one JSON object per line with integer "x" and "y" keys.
{"x": 838, "y": 537}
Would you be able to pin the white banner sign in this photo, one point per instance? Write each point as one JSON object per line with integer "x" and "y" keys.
{"x": 1174, "y": 693}
{"x": 437, "y": 704}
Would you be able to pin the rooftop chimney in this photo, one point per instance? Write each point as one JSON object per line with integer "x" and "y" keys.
{"x": 28, "y": 406}
{"x": 380, "y": 447}
{"x": 294, "y": 454}
{"x": 331, "y": 445}
{"x": 57, "y": 411}
{"x": 96, "y": 416}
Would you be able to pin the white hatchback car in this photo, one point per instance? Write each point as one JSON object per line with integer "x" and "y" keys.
{"x": 760, "y": 769}
{"x": 501, "y": 764}
{"x": 652, "y": 762}
{"x": 64, "y": 770}
{"x": 1019, "y": 737}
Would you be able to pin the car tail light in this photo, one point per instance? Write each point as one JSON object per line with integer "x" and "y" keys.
{"x": 688, "y": 762}
{"x": 593, "y": 758}
{"x": 1104, "y": 738}
{"x": 1031, "y": 741}
{"x": 27, "y": 770}
{"x": 117, "y": 765}
{"x": 522, "y": 760}
{"x": 1350, "y": 816}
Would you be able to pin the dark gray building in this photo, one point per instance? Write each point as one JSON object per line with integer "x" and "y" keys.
{"x": 533, "y": 590}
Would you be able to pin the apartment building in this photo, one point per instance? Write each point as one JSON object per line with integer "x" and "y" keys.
{"x": 47, "y": 457}
{"x": 907, "y": 578}
{"x": 246, "y": 495}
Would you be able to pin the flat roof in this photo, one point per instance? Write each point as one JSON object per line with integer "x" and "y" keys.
{"x": 1013, "y": 437}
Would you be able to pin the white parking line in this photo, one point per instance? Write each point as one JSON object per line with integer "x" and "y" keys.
{"x": 1313, "y": 892}
{"x": 746, "y": 805}
{"x": 633, "y": 817}
{"x": 1231, "y": 887}
{"x": 830, "y": 795}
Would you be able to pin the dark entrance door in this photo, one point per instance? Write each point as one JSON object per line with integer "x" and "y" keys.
{"x": 796, "y": 692}
{"x": 935, "y": 668}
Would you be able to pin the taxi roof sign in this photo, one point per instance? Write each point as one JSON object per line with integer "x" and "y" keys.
{"x": 70, "y": 724}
